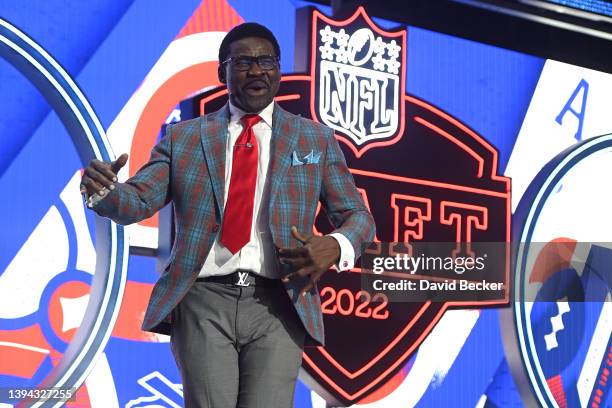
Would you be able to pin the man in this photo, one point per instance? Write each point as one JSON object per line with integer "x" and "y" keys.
{"x": 239, "y": 295}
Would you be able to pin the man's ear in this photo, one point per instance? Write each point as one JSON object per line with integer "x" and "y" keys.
{"x": 221, "y": 73}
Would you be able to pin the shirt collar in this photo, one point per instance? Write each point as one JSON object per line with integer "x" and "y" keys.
{"x": 266, "y": 114}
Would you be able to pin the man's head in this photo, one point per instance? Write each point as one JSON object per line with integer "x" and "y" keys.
{"x": 249, "y": 65}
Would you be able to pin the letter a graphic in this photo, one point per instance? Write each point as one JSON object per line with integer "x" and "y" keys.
{"x": 568, "y": 107}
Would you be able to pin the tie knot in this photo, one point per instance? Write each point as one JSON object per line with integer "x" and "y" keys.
{"x": 250, "y": 120}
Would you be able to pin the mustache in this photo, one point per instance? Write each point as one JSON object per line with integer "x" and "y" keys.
{"x": 258, "y": 82}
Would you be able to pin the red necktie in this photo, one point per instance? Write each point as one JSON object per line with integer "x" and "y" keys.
{"x": 238, "y": 216}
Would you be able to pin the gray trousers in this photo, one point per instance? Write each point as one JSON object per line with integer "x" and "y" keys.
{"x": 237, "y": 346}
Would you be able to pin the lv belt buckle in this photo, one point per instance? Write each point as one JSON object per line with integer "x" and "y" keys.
{"x": 243, "y": 279}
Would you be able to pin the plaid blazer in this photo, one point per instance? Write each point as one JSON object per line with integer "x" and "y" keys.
{"x": 187, "y": 167}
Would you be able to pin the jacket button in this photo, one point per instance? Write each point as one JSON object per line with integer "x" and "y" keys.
{"x": 215, "y": 228}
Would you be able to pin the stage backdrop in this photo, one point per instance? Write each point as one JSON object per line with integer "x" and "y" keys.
{"x": 457, "y": 121}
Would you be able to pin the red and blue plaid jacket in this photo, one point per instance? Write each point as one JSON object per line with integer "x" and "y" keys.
{"x": 187, "y": 167}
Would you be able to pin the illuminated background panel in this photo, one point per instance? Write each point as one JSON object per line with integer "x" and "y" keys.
{"x": 525, "y": 105}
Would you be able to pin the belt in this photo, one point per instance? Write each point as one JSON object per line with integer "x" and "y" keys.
{"x": 241, "y": 278}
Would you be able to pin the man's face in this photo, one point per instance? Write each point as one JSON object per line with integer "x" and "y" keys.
{"x": 253, "y": 89}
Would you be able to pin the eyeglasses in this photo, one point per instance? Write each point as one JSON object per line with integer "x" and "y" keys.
{"x": 243, "y": 62}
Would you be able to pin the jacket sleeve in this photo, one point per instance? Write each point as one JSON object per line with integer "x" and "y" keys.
{"x": 341, "y": 200}
{"x": 146, "y": 192}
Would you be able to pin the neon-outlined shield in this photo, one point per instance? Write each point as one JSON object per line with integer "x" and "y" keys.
{"x": 358, "y": 80}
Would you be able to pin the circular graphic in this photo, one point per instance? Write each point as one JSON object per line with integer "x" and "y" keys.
{"x": 561, "y": 312}
{"x": 111, "y": 244}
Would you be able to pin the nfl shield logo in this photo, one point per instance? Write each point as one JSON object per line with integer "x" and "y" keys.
{"x": 358, "y": 80}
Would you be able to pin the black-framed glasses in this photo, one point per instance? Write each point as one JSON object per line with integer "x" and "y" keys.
{"x": 243, "y": 62}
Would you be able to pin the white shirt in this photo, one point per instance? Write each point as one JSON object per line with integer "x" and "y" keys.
{"x": 259, "y": 254}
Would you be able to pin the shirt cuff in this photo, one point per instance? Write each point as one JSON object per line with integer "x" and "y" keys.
{"x": 347, "y": 253}
{"x": 92, "y": 200}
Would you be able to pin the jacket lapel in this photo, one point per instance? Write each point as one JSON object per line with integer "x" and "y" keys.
{"x": 213, "y": 134}
{"x": 285, "y": 130}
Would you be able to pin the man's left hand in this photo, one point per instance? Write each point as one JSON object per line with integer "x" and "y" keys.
{"x": 312, "y": 259}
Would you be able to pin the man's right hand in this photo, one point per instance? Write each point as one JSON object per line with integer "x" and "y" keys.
{"x": 99, "y": 177}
